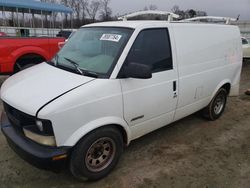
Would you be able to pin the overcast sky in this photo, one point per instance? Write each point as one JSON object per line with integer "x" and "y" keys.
{"x": 230, "y": 8}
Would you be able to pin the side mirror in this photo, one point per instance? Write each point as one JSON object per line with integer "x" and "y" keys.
{"x": 136, "y": 70}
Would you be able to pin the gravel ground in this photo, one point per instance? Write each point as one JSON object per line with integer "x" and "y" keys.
{"x": 192, "y": 152}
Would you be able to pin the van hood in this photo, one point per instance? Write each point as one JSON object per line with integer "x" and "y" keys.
{"x": 32, "y": 88}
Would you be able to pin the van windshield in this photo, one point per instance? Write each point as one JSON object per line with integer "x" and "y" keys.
{"x": 93, "y": 50}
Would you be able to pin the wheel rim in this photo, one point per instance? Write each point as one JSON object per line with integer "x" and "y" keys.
{"x": 219, "y": 103}
{"x": 100, "y": 154}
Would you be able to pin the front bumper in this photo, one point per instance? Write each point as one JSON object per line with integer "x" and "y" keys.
{"x": 40, "y": 156}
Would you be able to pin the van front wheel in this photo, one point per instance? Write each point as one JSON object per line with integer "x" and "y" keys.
{"x": 96, "y": 154}
{"x": 216, "y": 107}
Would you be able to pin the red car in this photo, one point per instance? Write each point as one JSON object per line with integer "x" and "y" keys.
{"x": 19, "y": 53}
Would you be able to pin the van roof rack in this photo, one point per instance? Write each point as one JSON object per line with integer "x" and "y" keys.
{"x": 227, "y": 20}
{"x": 170, "y": 15}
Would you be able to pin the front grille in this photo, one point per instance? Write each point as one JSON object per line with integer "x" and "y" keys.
{"x": 17, "y": 118}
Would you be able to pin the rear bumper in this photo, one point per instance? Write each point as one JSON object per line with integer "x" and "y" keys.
{"x": 40, "y": 156}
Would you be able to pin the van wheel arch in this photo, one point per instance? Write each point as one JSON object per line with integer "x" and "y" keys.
{"x": 225, "y": 84}
{"x": 27, "y": 60}
{"x": 217, "y": 105}
{"x": 227, "y": 87}
{"x": 115, "y": 126}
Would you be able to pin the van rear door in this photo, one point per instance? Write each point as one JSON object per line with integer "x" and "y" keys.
{"x": 151, "y": 103}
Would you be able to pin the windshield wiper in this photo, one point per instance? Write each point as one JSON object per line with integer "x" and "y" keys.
{"x": 80, "y": 70}
{"x": 76, "y": 65}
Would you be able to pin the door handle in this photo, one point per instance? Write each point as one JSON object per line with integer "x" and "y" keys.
{"x": 174, "y": 89}
{"x": 174, "y": 86}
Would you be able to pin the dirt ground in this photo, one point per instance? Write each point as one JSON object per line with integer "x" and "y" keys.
{"x": 192, "y": 152}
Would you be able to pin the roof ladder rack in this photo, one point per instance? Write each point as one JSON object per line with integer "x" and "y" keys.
{"x": 227, "y": 20}
{"x": 170, "y": 15}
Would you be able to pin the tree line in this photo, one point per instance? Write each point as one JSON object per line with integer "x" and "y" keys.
{"x": 189, "y": 13}
{"x": 86, "y": 11}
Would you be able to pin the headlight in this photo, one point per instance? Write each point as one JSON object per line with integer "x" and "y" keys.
{"x": 41, "y": 139}
{"x": 42, "y": 132}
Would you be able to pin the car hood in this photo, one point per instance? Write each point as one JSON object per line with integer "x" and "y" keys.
{"x": 34, "y": 87}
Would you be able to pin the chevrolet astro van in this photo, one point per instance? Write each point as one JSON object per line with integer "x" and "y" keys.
{"x": 114, "y": 82}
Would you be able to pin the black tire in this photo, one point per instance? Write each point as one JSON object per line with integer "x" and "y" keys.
{"x": 27, "y": 66}
{"x": 27, "y": 61}
{"x": 217, "y": 106}
{"x": 106, "y": 141}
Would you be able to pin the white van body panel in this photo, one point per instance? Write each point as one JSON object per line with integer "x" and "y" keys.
{"x": 154, "y": 98}
{"x": 85, "y": 108}
{"x": 208, "y": 56}
{"x": 32, "y": 88}
{"x": 151, "y": 101}
{"x": 90, "y": 126}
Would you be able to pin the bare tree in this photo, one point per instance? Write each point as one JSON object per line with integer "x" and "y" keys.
{"x": 54, "y": 15}
{"x": 106, "y": 11}
{"x": 192, "y": 13}
{"x": 152, "y": 7}
{"x": 175, "y": 9}
{"x": 178, "y": 11}
{"x": 84, "y": 4}
{"x": 93, "y": 8}
{"x": 72, "y": 4}
{"x": 66, "y": 3}
{"x": 77, "y": 10}
{"x": 145, "y": 8}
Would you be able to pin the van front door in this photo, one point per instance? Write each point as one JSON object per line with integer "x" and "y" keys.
{"x": 150, "y": 103}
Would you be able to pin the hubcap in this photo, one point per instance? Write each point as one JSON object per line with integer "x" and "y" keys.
{"x": 219, "y": 104}
{"x": 100, "y": 154}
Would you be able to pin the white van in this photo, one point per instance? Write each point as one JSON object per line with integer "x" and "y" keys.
{"x": 114, "y": 82}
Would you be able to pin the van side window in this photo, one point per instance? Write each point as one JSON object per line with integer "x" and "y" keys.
{"x": 152, "y": 47}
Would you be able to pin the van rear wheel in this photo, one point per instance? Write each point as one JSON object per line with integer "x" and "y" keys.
{"x": 216, "y": 107}
{"x": 96, "y": 154}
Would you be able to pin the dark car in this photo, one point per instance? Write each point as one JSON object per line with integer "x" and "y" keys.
{"x": 64, "y": 33}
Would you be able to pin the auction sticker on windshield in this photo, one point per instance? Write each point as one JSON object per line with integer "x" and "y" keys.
{"x": 111, "y": 37}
